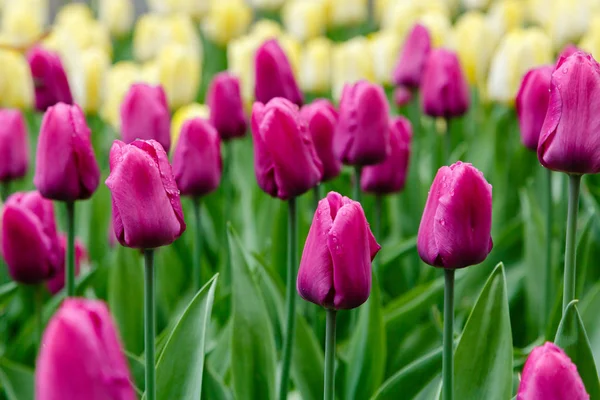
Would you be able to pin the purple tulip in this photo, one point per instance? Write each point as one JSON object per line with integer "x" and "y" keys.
{"x": 402, "y": 96}
{"x": 335, "y": 270}
{"x": 30, "y": 244}
{"x": 570, "y": 139}
{"x": 146, "y": 207}
{"x": 549, "y": 374}
{"x": 532, "y": 104}
{"x": 57, "y": 282}
{"x": 197, "y": 161}
{"x": 409, "y": 67}
{"x": 14, "y": 146}
{"x": 81, "y": 356}
{"x": 362, "y": 135}
{"x": 389, "y": 176}
{"x": 285, "y": 160}
{"x": 457, "y": 220}
{"x": 274, "y": 76}
{"x": 224, "y": 99}
{"x": 49, "y": 79}
{"x": 145, "y": 115}
{"x": 66, "y": 167}
{"x": 568, "y": 50}
{"x": 321, "y": 118}
{"x": 444, "y": 88}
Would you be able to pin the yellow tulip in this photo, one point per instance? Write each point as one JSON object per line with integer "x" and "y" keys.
{"x": 347, "y": 12}
{"x": 16, "y": 84}
{"x": 538, "y": 11}
{"x": 23, "y": 22}
{"x": 265, "y": 29}
{"x": 116, "y": 15}
{"x": 266, "y": 4}
{"x": 179, "y": 73}
{"x": 506, "y": 15}
{"x": 240, "y": 60}
{"x": 351, "y": 63}
{"x": 304, "y": 19}
{"x": 152, "y": 32}
{"x": 193, "y": 8}
{"x": 185, "y": 113}
{"x": 591, "y": 41}
{"x": 400, "y": 17}
{"x": 384, "y": 46}
{"x": 292, "y": 49}
{"x": 73, "y": 13}
{"x": 567, "y": 22}
{"x": 226, "y": 20}
{"x": 475, "y": 4}
{"x": 315, "y": 66}
{"x": 118, "y": 80}
{"x": 87, "y": 79}
{"x": 439, "y": 27}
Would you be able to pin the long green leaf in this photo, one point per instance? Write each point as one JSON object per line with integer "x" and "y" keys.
{"x": 16, "y": 380}
{"x": 213, "y": 387}
{"x": 7, "y": 291}
{"x": 589, "y": 307}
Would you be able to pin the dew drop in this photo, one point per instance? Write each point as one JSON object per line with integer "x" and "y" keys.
{"x": 565, "y": 70}
{"x": 442, "y": 222}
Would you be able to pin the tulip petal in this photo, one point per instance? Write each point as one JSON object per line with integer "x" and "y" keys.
{"x": 263, "y": 163}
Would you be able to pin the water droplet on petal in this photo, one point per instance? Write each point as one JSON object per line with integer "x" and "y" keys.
{"x": 565, "y": 70}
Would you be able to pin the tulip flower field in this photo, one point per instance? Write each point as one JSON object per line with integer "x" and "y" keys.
{"x": 300, "y": 199}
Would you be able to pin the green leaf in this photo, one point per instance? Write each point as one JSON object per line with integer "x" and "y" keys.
{"x": 252, "y": 345}
{"x": 213, "y": 387}
{"x": 589, "y": 307}
{"x": 16, "y": 380}
{"x": 484, "y": 356}
{"x": 7, "y": 291}
{"x": 180, "y": 368}
{"x": 137, "y": 368}
{"x": 572, "y": 338}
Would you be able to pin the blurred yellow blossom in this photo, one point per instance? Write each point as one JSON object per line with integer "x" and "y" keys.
{"x": 73, "y": 13}
{"x": 266, "y": 4}
{"x": 439, "y": 27}
{"x": 240, "y": 60}
{"x": 304, "y": 19}
{"x": 347, "y": 12}
{"x": 118, "y": 80}
{"x": 87, "y": 79}
{"x": 315, "y": 66}
{"x": 152, "y": 32}
{"x": 184, "y": 113}
{"x": 506, "y": 15}
{"x": 16, "y": 84}
{"x": 384, "y": 46}
{"x": 591, "y": 40}
{"x": 116, "y": 15}
{"x": 475, "y": 4}
{"x": 400, "y": 17}
{"x": 265, "y": 29}
{"x": 568, "y": 20}
{"x": 193, "y": 8}
{"x": 351, "y": 63}
{"x": 292, "y": 49}
{"x": 226, "y": 20}
{"x": 23, "y": 21}
{"x": 179, "y": 73}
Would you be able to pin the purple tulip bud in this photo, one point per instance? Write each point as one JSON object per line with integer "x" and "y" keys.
{"x": 389, "y": 176}
{"x": 568, "y": 50}
{"x": 224, "y": 99}
{"x": 532, "y": 104}
{"x": 49, "y": 79}
{"x": 409, "y": 67}
{"x": 197, "y": 161}
{"x": 402, "y": 96}
{"x": 30, "y": 244}
{"x": 274, "y": 76}
{"x": 14, "y": 146}
{"x": 285, "y": 160}
{"x": 444, "y": 88}
{"x": 335, "y": 270}
{"x": 549, "y": 374}
{"x": 569, "y": 140}
{"x": 57, "y": 282}
{"x": 146, "y": 207}
{"x": 321, "y": 118}
{"x": 66, "y": 167}
{"x": 457, "y": 220}
{"x": 362, "y": 135}
{"x": 81, "y": 356}
{"x": 145, "y": 115}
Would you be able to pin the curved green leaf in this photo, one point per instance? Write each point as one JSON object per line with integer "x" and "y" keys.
{"x": 7, "y": 291}
{"x": 16, "y": 381}
{"x": 589, "y": 307}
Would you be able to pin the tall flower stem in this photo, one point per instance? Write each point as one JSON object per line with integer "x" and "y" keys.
{"x": 569, "y": 278}
{"x": 149, "y": 322}
{"x": 448, "y": 338}
{"x": 197, "y": 271}
{"x": 356, "y": 188}
{"x": 39, "y": 304}
{"x": 5, "y": 188}
{"x": 317, "y": 195}
{"x": 329, "y": 391}
{"x": 447, "y": 143}
{"x": 290, "y": 299}
{"x": 378, "y": 228}
{"x": 549, "y": 278}
{"x": 70, "y": 273}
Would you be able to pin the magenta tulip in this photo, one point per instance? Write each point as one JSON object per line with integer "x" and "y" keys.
{"x": 362, "y": 134}
{"x": 532, "y": 104}
{"x": 14, "y": 145}
{"x": 321, "y": 118}
{"x": 66, "y": 167}
{"x": 568, "y": 50}
{"x": 57, "y": 282}
{"x": 335, "y": 270}
{"x": 81, "y": 356}
{"x": 549, "y": 374}
{"x": 146, "y": 207}
{"x": 197, "y": 161}
{"x": 30, "y": 244}
{"x": 444, "y": 88}
{"x": 224, "y": 99}
{"x": 455, "y": 229}
{"x": 409, "y": 67}
{"x": 145, "y": 115}
{"x": 274, "y": 76}
{"x": 285, "y": 160}
{"x": 402, "y": 96}
{"x": 49, "y": 78}
{"x": 570, "y": 139}
{"x": 389, "y": 176}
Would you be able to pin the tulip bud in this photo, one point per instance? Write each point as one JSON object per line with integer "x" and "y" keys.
{"x": 23, "y": 21}
{"x": 273, "y": 75}
{"x": 384, "y": 48}
{"x": 66, "y": 168}
{"x": 226, "y": 20}
{"x": 57, "y": 282}
{"x": 568, "y": 140}
{"x": 285, "y": 160}
{"x": 16, "y": 84}
{"x": 49, "y": 79}
{"x": 335, "y": 269}
{"x": 457, "y": 221}
{"x": 197, "y": 161}
{"x": 506, "y": 15}
{"x": 389, "y": 176}
{"x": 568, "y": 50}
{"x": 89, "y": 78}
{"x": 321, "y": 118}
{"x": 145, "y": 115}
{"x": 347, "y": 12}
{"x": 224, "y": 98}
{"x": 350, "y": 64}
{"x": 81, "y": 356}
{"x": 549, "y": 374}
{"x": 532, "y": 104}
{"x": 315, "y": 66}
{"x": 185, "y": 113}
{"x": 141, "y": 178}
{"x": 444, "y": 89}
{"x": 304, "y": 19}
{"x": 410, "y": 65}
{"x": 179, "y": 72}
{"x": 30, "y": 245}
{"x": 439, "y": 26}
{"x": 402, "y": 96}
{"x": 152, "y": 32}
{"x": 362, "y": 134}
{"x": 14, "y": 147}
{"x": 117, "y": 15}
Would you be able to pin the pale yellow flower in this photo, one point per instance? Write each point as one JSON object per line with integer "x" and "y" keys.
{"x": 347, "y": 12}
{"x": 266, "y": 4}
{"x": 384, "y": 49}
{"x": 16, "y": 84}
{"x": 240, "y": 61}
{"x": 73, "y": 13}
{"x": 116, "y": 15}
{"x": 265, "y": 29}
{"x": 400, "y": 17}
{"x": 304, "y": 19}
{"x": 475, "y": 4}
{"x": 439, "y": 27}
{"x": 315, "y": 66}
{"x": 226, "y": 20}
{"x": 179, "y": 74}
{"x": 292, "y": 49}
{"x": 87, "y": 79}
{"x": 185, "y": 113}
{"x": 506, "y": 15}
{"x": 591, "y": 40}
{"x": 193, "y": 8}
{"x": 119, "y": 79}
{"x": 23, "y": 22}
{"x": 351, "y": 64}
{"x": 568, "y": 20}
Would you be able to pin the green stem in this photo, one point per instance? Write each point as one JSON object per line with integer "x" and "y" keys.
{"x": 356, "y": 188}
{"x": 5, "y": 187}
{"x": 70, "y": 272}
{"x": 290, "y": 300}
{"x": 39, "y": 307}
{"x": 569, "y": 279}
{"x": 447, "y": 143}
{"x": 149, "y": 324}
{"x": 378, "y": 228}
{"x": 329, "y": 392}
{"x": 197, "y": 245}
{"x": 448, "y": 339}
{"x": 317, "y": 195}
{"x": 549, "y": 276}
